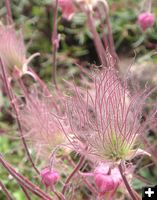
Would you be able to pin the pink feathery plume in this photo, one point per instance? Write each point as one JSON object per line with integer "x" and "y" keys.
{"x": 13, "y": 52}
{"x": 39, "y": 124}
{"x": 12, "y": 49}
{"x": 106, "y": 119}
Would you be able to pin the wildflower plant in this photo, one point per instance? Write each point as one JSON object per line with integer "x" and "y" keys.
{"x": 98, "y": 121}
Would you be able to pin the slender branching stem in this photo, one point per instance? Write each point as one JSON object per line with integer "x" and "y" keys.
{"x": 110, "y": 37}
{"x": 26, "y": 193}
{"x": 150, "y": 148}
{"x": 24, "y": 181}
{"x": 97, "y": 41}
{"x": 89, "y": 185}
{"x": 129, "y": 189}
{"x": 12, "y": 100}
{"x": 149, "y": 5}
{"x": 8, "y": 9}
{"x": 41, "y": 82}
{"x": 108, "y": 41}
{"x": 6, "y": 192}
{"x": 54, "y": 41}
{"x": 59, "y": 195}
{"x": 78, "y": 166}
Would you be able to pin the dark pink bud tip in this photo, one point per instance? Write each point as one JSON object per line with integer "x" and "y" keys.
{"x": 49, "y": 177}
{"x": 104, "y": 183}
{"x": 146, "y": 20}
{"x": 105, "y": 180}
{"x": 67, "y": 8}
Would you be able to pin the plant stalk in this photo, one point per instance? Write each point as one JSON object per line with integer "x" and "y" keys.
{"x": 9, "y": 13}
{"x": 24, "y": 181}
{"x": 78, "y": 166}
{"x": 54, "y": 40}
{"x": 129, "y": 189}
{"x": 12, "y": 100}
{"x": 4, "y": 189}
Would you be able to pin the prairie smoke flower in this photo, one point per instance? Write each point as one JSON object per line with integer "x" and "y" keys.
{"x": 49, "y": 177}
{"x": 146, "y": 20}
{"x": 106, "y": 179}
{"x": 106, "y": 120}
{"x": 12, "y": 51}
{"x": 67, "y": 8}
{"x": 40, "y": 125}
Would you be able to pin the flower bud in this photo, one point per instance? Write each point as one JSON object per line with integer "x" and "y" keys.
{"x": 106, "y": 179}
{"x": 104, "y": 183}
{"x": 49, "y": 177}
{"x": 146, "y": 20}
{"x": 67, "y": 8}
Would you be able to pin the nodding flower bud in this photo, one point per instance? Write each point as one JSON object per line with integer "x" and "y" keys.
{"x": 104, "y": 183}
{"x": 49, "y": 177}
{"x": 106, "y": 179}
{"x": 146, "y": 20}
{"x": 67, "y": 8}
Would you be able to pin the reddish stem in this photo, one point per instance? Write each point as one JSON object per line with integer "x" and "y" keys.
{"x": 129, "y": 189}
{"x": 8, "y": 9}
{"x": 11, "y": 97}
{"x": 4, "y": 189}
{"x": 90, "y": 187}
{"x": 24, "y": 181}
{"x": 98, "y": 44}
{"x": 54, "y": 40}
{"x": 26, "y": 193}
{"x": 78, "y": 166}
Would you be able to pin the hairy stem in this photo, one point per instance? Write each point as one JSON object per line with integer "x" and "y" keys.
{"x": 55, "y": 42}
{"x": 24, "y": 181}
{"x": 98, "y": 44}
{"x": 12, "y": 100}
{"x": 26, "y": 193}
{"x": 78, "y": 166}
{"x": 89, "y": 185}
{"x": 129, "y": 189}
{"x": 4, "y": 189}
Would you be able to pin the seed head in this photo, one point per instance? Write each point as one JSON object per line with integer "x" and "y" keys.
{"x": 13, "y": 52}
{"x": 12, "y": 49}
{"x": 106, "y": 119}
{"x": 39, "y": 124}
